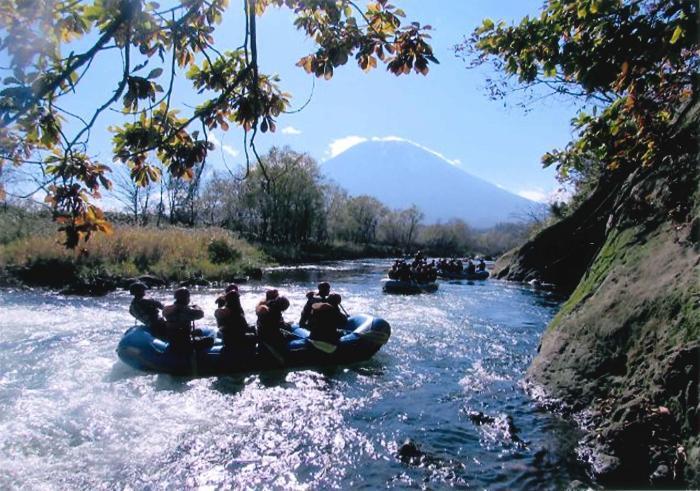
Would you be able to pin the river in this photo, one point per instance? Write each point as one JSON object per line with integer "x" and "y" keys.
{"x": 72, "y": 416}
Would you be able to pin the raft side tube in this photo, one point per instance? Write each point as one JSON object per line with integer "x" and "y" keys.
{"x": 139, "y": 349}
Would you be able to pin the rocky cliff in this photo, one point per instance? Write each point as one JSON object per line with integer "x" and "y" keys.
{"x": 623, "y": 353}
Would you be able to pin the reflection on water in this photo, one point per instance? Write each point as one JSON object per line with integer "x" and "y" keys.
{"x": 73, "y": 416}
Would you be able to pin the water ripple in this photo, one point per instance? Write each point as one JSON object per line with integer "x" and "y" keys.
{"x": 73, "y": 417}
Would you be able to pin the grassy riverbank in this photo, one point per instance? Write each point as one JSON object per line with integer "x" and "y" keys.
{"x": 171, "y": 254}
{"x": 31, "y": 254}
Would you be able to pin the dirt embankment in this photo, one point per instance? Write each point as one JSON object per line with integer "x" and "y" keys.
{"x": 624, "y": 351}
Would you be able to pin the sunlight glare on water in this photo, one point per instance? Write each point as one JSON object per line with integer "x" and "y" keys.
{"x": 73, "y": 416}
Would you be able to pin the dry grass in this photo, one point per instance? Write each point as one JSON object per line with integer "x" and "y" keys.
{"x": 171, "y": 253}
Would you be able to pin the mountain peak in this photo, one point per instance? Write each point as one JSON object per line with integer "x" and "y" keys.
{"x": 401, "y": 173}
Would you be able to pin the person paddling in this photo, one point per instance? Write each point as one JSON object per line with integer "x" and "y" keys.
{"x": 180, "y": 317}
{"x": 146, "y": 310}
{"x": 326, "y": 322}
{"x": 230, "y": 318}
{"x": 272, "y": 330}
{"x": 324, "y": 289}
{"x": 221, "y": 299}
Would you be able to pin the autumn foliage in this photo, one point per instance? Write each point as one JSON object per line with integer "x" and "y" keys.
{"x": 634, "y": 63}
{"x": 45, "y": 41}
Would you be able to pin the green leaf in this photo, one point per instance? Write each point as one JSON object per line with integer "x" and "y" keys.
{"x": 93, "y": 12}
{"x": 155, "y": 73}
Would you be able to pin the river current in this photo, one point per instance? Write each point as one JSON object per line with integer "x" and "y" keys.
{"x": 72, "y": 416}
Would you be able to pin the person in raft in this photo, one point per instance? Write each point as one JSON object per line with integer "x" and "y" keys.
{"x": 221, "y": 299}
{"x": 325, "y": 323}
{"x": 324, "y": 289}
{"x": 269, "y": 296}
{"x": 230, "y": 318}
{"x": 272, "y": 330}
{"x": 146, "y": 310}
{"x": 482, "y": 265}
{"x": 179, "y": 321}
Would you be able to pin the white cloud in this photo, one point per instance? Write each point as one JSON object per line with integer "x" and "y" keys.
{"x": 291, "y": 130}
{"x": 340, "y": 145}
{"x": 226, "y": 148}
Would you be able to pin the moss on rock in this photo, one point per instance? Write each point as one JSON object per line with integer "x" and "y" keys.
{"x": 625, "y": 348}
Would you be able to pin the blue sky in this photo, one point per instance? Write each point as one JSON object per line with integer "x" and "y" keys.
{"x": 448, "y": 111}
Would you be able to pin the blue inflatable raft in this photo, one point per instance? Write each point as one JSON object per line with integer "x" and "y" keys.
{"x": 139, "y": 349}
{"x": 408, "y": 287}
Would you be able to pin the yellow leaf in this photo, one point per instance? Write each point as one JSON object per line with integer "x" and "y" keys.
{"x": 677, "y": 34}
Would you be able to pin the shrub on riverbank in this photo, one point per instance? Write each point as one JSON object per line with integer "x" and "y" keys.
{"x": 173, "y": 254}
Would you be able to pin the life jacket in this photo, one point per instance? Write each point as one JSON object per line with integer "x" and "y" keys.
{"x": 269, "y": 324}
{"x": 324, "y": 323}
{"x": 146, "y": 310}
{"x": 232, "y": 324}
{"x": 306, "y": 311}
{"x": 180, "y": 317}
{"x": 269, "y": 334}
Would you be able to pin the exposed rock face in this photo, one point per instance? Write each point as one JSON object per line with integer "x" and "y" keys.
{"x": 560, "y": 254}
{"x": 625, "y": 347}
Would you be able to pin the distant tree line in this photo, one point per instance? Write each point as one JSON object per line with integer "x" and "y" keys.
{"x": 289, "y": 202}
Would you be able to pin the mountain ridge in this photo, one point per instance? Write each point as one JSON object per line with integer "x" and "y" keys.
{"x": 401, "y": 173}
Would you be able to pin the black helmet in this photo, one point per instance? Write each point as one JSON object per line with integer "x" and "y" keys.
{"x": 280, "y": 303}
{"x": 182, "y": 295}
{"x": 137, "y": 287}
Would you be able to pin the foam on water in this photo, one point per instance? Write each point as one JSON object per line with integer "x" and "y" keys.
{"x": 73, "y": 416}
